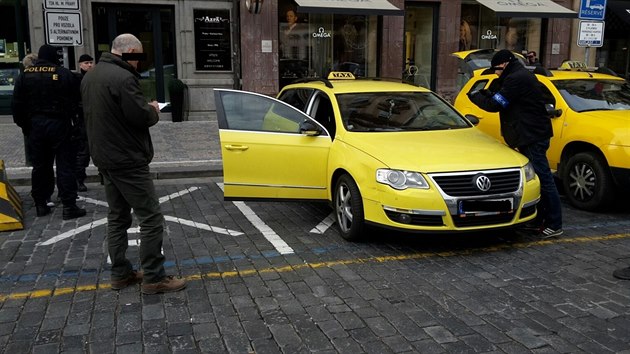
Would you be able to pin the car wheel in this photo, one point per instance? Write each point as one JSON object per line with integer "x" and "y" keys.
{"x": 349, "y": 208}
{"x": 587, "y": 182}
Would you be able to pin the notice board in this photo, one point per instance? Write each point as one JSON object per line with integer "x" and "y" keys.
{"x": 213, "y": 40}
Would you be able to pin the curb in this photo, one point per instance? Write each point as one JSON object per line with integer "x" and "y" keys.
{"x": 21, "y": 176}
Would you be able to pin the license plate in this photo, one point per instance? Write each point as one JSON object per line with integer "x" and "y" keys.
{"x": 485, "y": 206}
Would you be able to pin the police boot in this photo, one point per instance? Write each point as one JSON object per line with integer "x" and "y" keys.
{"x": 42, "y": 210}
{"x": 72, "y": 212}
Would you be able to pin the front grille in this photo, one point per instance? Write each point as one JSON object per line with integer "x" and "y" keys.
{"x": 463, "y": 184}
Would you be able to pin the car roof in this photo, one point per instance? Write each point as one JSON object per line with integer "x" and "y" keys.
{"x": 358, "y": 85}
{"x": 570, "y": 74}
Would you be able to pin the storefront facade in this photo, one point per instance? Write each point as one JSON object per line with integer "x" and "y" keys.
{"x": 261, "y": 45}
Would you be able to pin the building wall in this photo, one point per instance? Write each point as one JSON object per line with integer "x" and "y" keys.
{"x": 255, "y": 70}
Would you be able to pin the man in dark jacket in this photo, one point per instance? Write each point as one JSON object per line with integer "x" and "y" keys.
{"x": 117, "y": 118}
{"x": 44, "y": 104}
{"x": 526, "y": 126}
{"x": 79, "y": 135}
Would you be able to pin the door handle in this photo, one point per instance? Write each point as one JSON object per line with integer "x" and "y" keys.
{"x": 236, "y": 147}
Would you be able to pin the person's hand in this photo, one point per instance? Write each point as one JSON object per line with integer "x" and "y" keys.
{"x": 155, "y": 105}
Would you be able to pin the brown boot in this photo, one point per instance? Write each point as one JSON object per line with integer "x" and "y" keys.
{"x": 133, "y": 278}
{"x": 166, "y": 285}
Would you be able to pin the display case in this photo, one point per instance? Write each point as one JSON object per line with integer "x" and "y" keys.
{"x": 9, "y": 71}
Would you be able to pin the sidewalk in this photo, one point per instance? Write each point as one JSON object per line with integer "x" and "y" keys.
{"x": 182, "y": 150}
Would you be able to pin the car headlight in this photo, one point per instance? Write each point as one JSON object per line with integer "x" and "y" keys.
{"x": 530, "y": 174}
{"x": 401, "y": 179}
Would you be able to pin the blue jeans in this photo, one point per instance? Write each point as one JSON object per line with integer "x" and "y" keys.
{"x": 550, "y": 206}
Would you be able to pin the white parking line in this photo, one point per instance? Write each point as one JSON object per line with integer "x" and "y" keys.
{"x": 103, "y": 221}
{"x": 276, "y": 241}
{"x": 324, "y": 225}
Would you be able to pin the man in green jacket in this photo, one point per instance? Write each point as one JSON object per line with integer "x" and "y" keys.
{"x": 117, "y": 118}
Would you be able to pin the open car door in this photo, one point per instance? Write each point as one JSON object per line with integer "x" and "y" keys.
{"x": 270, "y": 149}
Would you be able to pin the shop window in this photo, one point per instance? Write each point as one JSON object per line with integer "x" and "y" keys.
{"x": 313, "y": 45}
{"x": 481, "y": 28}
{"x": 420, "y": 39}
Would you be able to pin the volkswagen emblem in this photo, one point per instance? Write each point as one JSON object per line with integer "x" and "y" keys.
{"x": 482, "y": 182}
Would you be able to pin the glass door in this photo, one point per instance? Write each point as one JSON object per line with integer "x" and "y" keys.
{"x": 420, "y": 45}
{"x": 155, "y": 27}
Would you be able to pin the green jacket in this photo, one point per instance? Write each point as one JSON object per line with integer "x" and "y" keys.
{"x": 117, "y": 115}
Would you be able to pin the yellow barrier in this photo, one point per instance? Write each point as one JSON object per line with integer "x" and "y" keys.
{"x": 11, "y": 214}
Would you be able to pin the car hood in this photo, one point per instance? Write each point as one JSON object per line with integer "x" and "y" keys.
{"x": 620, "y": 118}
{"x": 436, "y": 151}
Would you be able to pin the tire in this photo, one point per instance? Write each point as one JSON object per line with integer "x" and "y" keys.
{"x": 587, "y": 182}
{"x": 348, "y": 206}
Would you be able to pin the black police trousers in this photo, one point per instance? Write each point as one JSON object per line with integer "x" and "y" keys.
{"x": 49, "y": 143}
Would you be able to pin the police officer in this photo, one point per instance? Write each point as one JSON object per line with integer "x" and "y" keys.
{"x": 79, "y": 136}
{"x": 44, "y": 104}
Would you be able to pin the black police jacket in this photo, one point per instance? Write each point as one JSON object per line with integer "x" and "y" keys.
{"x": 44, "y": 90}
{"x": 519, "y": 101}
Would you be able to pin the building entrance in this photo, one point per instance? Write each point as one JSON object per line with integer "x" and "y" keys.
{"x": 155, "y": 27}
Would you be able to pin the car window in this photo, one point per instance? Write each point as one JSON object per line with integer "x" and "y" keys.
{"x": 397, "y": 111}
{"x": 478, "y": 85}
{"x": 584, "y": 95}
{"x": 247, "y": 111}
{"x": 297, "y": 98}
{"x": 322, "y": 111}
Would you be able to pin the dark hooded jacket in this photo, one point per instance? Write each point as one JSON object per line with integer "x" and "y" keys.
{"x": 521, "y": 107}
{"x": 117, "y": 115}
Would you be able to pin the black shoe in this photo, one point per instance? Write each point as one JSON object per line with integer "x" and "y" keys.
{"x": 42, "y": 210}
{"x": 81, "y": 187}
{"x": 622, "y": 273}
{"x": 72, "y": 212}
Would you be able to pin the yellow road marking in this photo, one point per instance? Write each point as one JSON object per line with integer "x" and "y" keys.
{"x": 289, "y": 268}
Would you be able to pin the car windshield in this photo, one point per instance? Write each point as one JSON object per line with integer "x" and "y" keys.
{"x": 594, "y": 95}
{"x": 397, "y": 111}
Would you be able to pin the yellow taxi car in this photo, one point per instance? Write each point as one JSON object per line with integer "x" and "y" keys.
{"x": 590, "y": 150}
{"x": 381, "y": 153}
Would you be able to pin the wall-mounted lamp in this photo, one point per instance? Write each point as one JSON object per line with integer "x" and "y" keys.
{"x": 254, "y": 6}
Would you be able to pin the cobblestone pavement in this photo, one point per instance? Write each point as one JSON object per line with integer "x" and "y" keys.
{"x": 277, "y": 278}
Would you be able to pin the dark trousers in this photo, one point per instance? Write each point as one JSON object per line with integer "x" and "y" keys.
{"x": 126, "y": 189}
{"x": 550, "y": 205}
{"x": 49, "y": 143}
{"x": 83, "y": 155}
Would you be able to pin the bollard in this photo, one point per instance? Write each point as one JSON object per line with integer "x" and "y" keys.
{"x": 11, "y": 214}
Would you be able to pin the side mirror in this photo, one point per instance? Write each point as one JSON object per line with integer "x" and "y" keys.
{"x": 552, "y": 111}
{"x": 309, "y": 128}
{"x": 472, "y": 118}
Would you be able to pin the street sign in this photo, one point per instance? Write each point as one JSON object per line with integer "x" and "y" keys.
{"x": 592, "y": 10}
{"x": 591, "y": 34}
{"x": 62, "y": 5}
{"x": 64, "y": 29}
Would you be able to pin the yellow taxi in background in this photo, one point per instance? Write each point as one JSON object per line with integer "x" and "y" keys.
{"x": 383, "y": 153}
{"x": 475, "y": 61}
{"x": 590, "y": 150}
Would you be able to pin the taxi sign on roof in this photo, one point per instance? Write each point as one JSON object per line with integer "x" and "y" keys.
{"x": 340, "y": 75}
